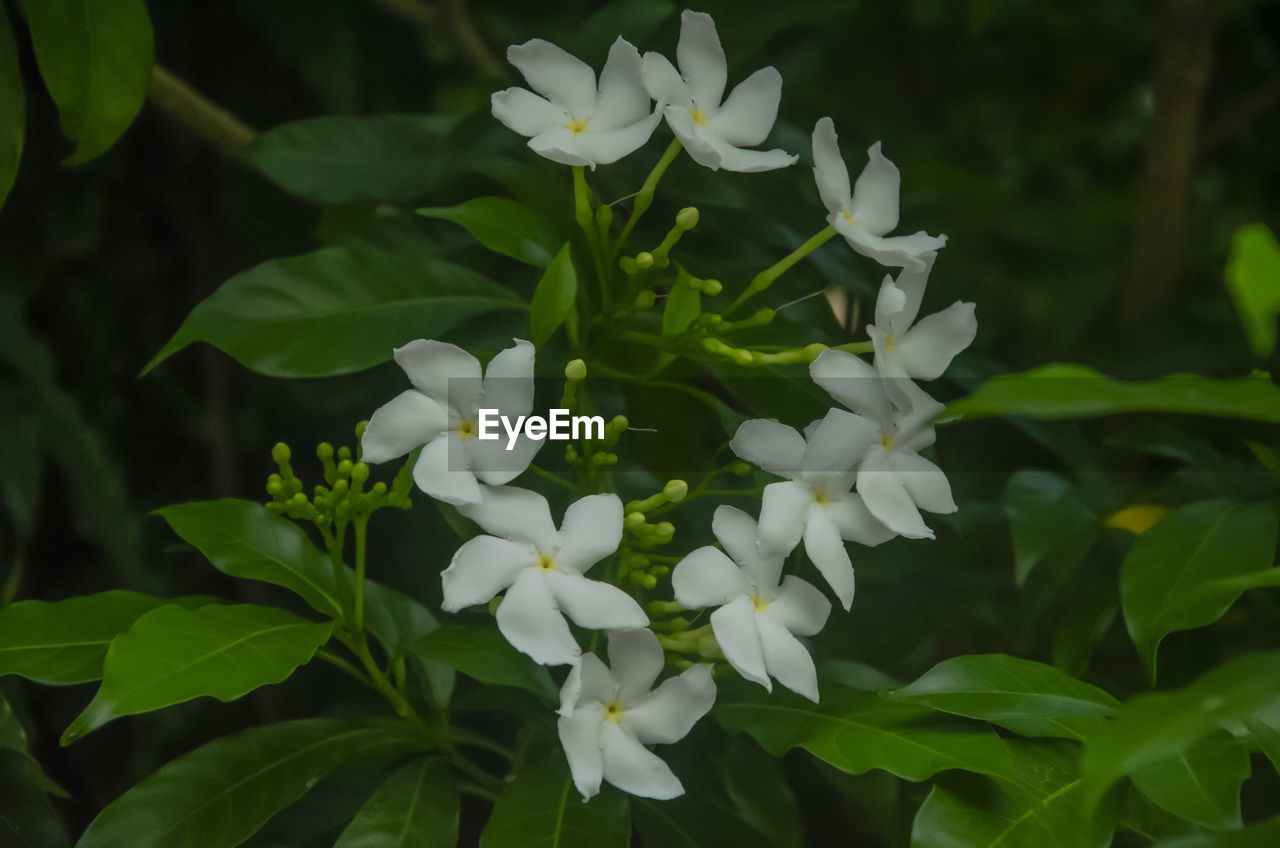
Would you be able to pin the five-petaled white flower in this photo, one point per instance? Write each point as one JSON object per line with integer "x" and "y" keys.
{"x": 712, "y": 132}
{"x": 863, "y": 216}
{"x": 607, "y": 716}
{"x": 758, "y": 619}
{"x": 894, "y": 480}
{"x": 541, "y": 570}
{"x": 440, "y": 414}
{"x": 816, "y": 502}
{"x": 575, "y": 122}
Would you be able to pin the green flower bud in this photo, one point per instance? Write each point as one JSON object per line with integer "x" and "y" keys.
{"x": 359, "y": 474}
{"x": 634, "y": 521}
{"x": 743, "y": 357}
{"x": 324, "y": 451}
{"x": 360, "y": 428}
{"x": 576, "y": 370}
{"x": 344, "y": 453}
{"x": 275, "y": 486}
{"x": 619, "y": 423}
{"x": 628, "y": 266}
{"x": 280, "y": 454}
{"x": 675, "y": 490}
{"x": 741, "y": 468}
{"x": 494, "y": 603}
{"x": 712, "y": 287}
{"x": 648, "y": 581}
{"x": 379, "y": 489}
{"x": 687, "y": 218}
{"x": 813, "y": 351}
{"x": 764, "y": 315}
{"x": 665, "y": 531}
{"x": 645, "y": 299}
{"x": 644, "y": 260}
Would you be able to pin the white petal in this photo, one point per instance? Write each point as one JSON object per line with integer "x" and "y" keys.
{"x": 441, "y": 471}
{"x": 482, "y": 568}
{"x": 911, "y": 282}
{"x": 635, "y": 770}
{"x": 560, "y": 77}
{"x": 896, "y": 251}
{"x": 748, "y": 114}
{"x": 829, "y": 170}
{"x": 838, "y": 442}
{"x": 667, "y": 714}
{"x": 531, "y": 622}
{"x": 592, "y": 604}
{"x": 745, "y": 161}
{"x": 407, "y": 421}
{"x": 581, "y": 736}
{"x": 701, "y": 59}
{"x": 607, "y": 147}
{"x": 561, "y": 145}
{"x": 927, "y": 349}
{"x": 738, "y": 532}
{"x": 442, "y": 371}
{"x": 799, "y": 607}
{"x": 913, "y": 424}
{"x": 787, "y": 660}
{"x": 508, "y": 380}
{"x": 707, "y": 578}
{"x": 663, "y": 82}
{"x": 853, "y": 382}
{"x": 622, "y": 100}
{"x": 783, "y": 507}
{"x": 514, "y": 513}
{"x": 856, "y": 523}
{"x": 774, "y": 447}
{"x": 890, "y": 302}
{"x": 734, "y": 625}
{"x": 894, "y": 378}
{"x": 698, "y": 143}
{"x": 525, "y": 112}
{"x": 925, "y": 482}
{"x": 587, "y": 681}
{"x": 636, "y": 659}
{"x": 490, "y": 460}
{"x": 886, "y": 496}
{"x": 591, "y": 530}
{"x": 875, "y": 195}
{"x": 826, "y": 550}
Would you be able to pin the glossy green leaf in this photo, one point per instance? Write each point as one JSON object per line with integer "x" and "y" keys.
{"x": 13, "y": 108}
{"x": 1026, "y": 697}
{"x": 693, "y": 821}
{"x": 483, "y": 653}
{"x": 416, "y": 807}
{"x": 13, "y": 737}
{"x": 1266, "y": 736}
{"x": 64, "y": 642}
{"x": 171, "y": 655}
{"x": 1253, "y": 278}
{"x": 683, "y": 305}
{"x": 1188, "y": 569}
{"x": 504, "y": 226}
{"x": 1046, "y": 516}
{"x": 1075, "y": 391}
{"x": 335, "y": 311}
{"x": 1202, "y": 783}
{"x": 348, "y": 158}
{"x": 542, "y": 809}
{"x": 95, "y": 57}
{"x": 219, "y": 795}
{"x": 26, "y": 818}
{"x": 1263, "y": 834}
{"x": 554, "y": 298}
{"x": 761, "y": 796}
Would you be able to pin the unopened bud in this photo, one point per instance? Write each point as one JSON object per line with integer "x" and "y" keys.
{"x": 675, "y": 490}
{"x": 813, "y": 351}
{"x": 644, "y": 259}
{"x": 344, "y": 467}
{"x": 576, "y": 370}
{"x": 740, "y": 468}
{"x": 634, "y": 521}
{"x": 712, "y": 287}
{"x": 619, "y": 422}
{"x": 687, "y": 218}
{"x": 645, "y": 299}
{"x": 280, "y": 454}
{"x": 743, "y": 357}
{"x": 764, "y": 316}
{"x": 324, "y": 451}
{"x": 359, "y": 474}
{"x": 665, "y": 531}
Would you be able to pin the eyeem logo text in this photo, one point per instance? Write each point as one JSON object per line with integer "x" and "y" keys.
{"x": 561, "y": 426}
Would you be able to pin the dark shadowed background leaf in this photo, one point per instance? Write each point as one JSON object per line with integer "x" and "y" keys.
{"x": 1202, "y": 783}
{"x": 13, "y": 108}
{"x": 542, "y": 809}
{"x": 415, "y": 807}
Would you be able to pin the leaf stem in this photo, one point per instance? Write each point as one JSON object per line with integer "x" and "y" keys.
{"x": 644, "y": 197}
{"x": 361, "y": 524}
{"x": 766, "y": 277}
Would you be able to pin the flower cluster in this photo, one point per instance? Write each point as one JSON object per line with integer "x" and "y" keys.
{"x": 855, "y": 475}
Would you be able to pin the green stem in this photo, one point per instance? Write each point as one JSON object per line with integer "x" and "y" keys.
{"x": 857, "y": 347}
{"x": 766, "y": 277}
{"x": 554, "y": 478}
{"x": 477, "y": 740}
{"x": 402, "y": 707}
{"x": 338, "y": 662}
{"x": 463, "y": 764}
{"x": 587, "y": 221}
{"x": 333, "y": 542}
{"x": 362, "y": 524}
{"x": 478, "y": 791}
{"x": 644, "y": 198}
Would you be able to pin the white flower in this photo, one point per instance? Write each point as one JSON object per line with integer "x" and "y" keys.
{"x": 757, "y": 618}
{"x": 894, "y": 480}
{"x": 575, "y": 122}
{"x": 607, "y": 717}
{"x": 866, "y": 214}
{"x": 541, "y": 570}
{"x": 922, "y": 351}
{"x": 440, "y": 413}
{"x": 712, "y": 132}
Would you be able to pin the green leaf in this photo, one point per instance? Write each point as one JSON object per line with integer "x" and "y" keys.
{"x": 64, "y": 642}
{"x": 416, "y": 807}
{"x": 554, "y": 297}
{"x": 1046, "y": 516}
{"x": 542, "y": 809}
{"x": 683, "y": 306}
{"x": 13, "y": 108}
{"x": 335, "y": 311}
{"x": 1253, "y": 278}
{"x": 171, "y": 655}
{"x": 504, "y": 226}
{"x": 483, "y": 653}
{"x": 220, "y": 795}
{"x": 1200, "y": 784}
{"x": 1074, "y": 391}
{"x": 95, "y": 57}
{"x": 761, "y": 796}
{"x": 1264, "y": 834}
{"x": 1188, "y": 569}
{"x": 26, "y": 819}
{"x": 693, "y": 821}
{"x": 347, "y": 159}
{"x": 1266, "y": 737}
{"x": 1026, "y": 697}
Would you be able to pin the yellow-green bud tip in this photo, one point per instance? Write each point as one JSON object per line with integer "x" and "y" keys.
{"x": 634, "y": 520}
{"x": 324, "y": 451}
{"x": 711, "y": 288}
{"x": 360, "y": 428}
{"x": 675, "y": 490}
{"x": 280, "y": 453}
{"x": 576, "y": 370}
{"x": 764, "y": 316}
{"x": 743, "y": 357}
{"x": 359, "y": 473}
{"x": 813, "y": 351}
{"x": 620, "y": 422}
{"x": 687, "y": 218}
{"x": 644, "y": 259}
{"x": 645, "y": 299}
{"x": 740, "y": 468}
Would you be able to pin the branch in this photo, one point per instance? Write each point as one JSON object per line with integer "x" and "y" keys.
{"x": 173, "y": 96}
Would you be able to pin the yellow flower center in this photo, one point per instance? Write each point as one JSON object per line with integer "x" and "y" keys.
{"x": 890, "y": 343}
{"x": 886, "y": 442}
{"x": 848, "y": 216}
{"x": 546, "y": 563}
{"x": 698, "y": 118}
{"x": 820, "y": 497}
{"x": 575, "y": 126}
{"x": 613, "y": 711}
{"x": 759, "y": 603}
{"x": 466, "y": 429}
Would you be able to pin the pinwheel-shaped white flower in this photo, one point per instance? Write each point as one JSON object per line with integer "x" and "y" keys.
{"x": 712, "y": 132}
{"x": 541, "y": 570}
{"x": 816, "y": 502}
{"x": 440, "y": 414}
{"x": 608, "y": 716}
{"x": 575, "y": 122}
{"x": 865, "y": 215}
{"x": 894, "y": 480}
{"x": 758, "y": 620}
{"x": 923, "y": 351}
